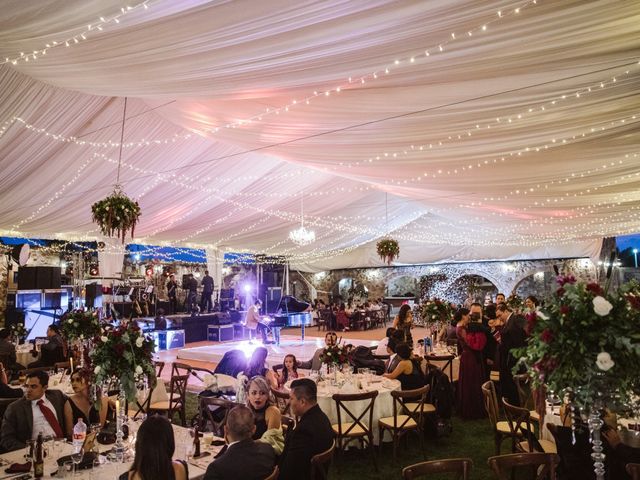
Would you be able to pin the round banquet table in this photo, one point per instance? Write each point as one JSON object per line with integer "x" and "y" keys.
{"x": 382, "y": 407}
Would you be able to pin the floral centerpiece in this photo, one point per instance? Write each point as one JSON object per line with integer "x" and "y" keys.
{"x": 584, "y": 345}
{"x": 125, "y": 354}
{"x": 433, "y": 311}
{"x": 19, "y": 331}
{"x": 335, "y": 355}
{"x": 588, "y": 341}
{"x": 116, "y": 214}
{"x": 80, "y": 325}
{"x": 388, "y": 250}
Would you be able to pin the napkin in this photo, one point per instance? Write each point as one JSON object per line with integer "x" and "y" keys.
{"x": 19, "y": 468}
{"x": 348, "y": 388}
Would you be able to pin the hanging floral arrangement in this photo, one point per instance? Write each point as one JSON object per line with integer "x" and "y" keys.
{"x": 388, "y": 250}
{"x": 116, "y": 214}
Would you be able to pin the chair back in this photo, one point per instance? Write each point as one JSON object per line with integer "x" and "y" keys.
{"x": 542, "y": 465}
{"x": 321, "y": 462}
{"x": 523, "y": 385}
{"x": 460, "y": 466}
{"x": 288, "y": 424}
{"x": 274, "y": 474}
{"x": 633, "y": 469}
{"x": 214, "y": 411}
{"x": 409, "y": 403}
{"x": 178, "y": 368}
{"x": 519, "y": 420}
{"x": 178, "y": 390}
{"x": 283, "y": 400}
{"x": 159, "y": 366}
{"x": 66, "y": 366}
{"x": 491, "y": 402}
{"x": 342, "y": 401}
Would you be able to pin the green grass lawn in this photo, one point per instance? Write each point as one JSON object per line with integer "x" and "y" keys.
{"x": 472, "y": 439}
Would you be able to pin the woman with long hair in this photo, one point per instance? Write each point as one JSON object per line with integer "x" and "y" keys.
{"x": 258, "y": 366}
{"x": 471, "y": 342}
{"x": 155, "y": 447}
{"x": 80, "y": 404}
{"x": 289, "y": 370}
{"x": 261, "y": 403}
{"x": 408, "y": 370}
{"x": 404, "y": 323}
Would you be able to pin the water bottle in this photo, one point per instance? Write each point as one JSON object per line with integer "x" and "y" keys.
{"x": 79, "y": 434}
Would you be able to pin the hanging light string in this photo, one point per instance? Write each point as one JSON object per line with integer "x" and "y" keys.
{"x": 90, "y": 29}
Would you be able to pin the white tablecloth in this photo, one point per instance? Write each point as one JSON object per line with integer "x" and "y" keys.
{"x": 109, "y": 471}
{"x": 24, "y": 356}
{"x": 383, "y": 406}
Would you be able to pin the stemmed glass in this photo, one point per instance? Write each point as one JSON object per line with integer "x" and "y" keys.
{"x": 76, "y": 457}
{"x": 28, "y": 454}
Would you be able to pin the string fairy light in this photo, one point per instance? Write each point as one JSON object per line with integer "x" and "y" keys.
{"x": 86, "y": 32}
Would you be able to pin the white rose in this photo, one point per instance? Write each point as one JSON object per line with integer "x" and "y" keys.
{"x": 601, "y": 306}
{"x": 138, "y": 370}
{"x": 604, "y": 361}
{"x": 97, "y": 370}
{"x": 139, "y": 342}
{"x": 70, "y": 320}
{"x": 104, "y": 339}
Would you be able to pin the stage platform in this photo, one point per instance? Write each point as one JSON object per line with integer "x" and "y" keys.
{"x": 288, "y": 344}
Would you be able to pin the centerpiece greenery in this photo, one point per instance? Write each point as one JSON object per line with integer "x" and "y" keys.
{"x": 19, "y": 331}
{"x": 335, "y": 355}
{"x": 80, "y": 325}
{"x": 388, "y": 250}
{"x": 433, "y": 311}
{"x": 125, "y": 354}
{"x": 116, "y": 214}
{"x": 586, "y": 341}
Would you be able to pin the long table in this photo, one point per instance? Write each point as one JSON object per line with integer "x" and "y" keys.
{"x": 110, "y": 470}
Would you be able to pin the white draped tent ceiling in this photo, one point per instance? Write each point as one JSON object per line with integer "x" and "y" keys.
{"x": 486, "y": 129}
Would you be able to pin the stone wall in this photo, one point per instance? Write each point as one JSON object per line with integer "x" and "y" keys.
{"x": 535, "y": 277}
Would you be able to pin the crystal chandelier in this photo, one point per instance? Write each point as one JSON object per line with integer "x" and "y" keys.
{"x": 301, "y": 236}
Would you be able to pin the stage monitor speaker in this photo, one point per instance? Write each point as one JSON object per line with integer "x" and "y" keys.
{"x": 27, "y": 278}
{"x": 226, "y": 294}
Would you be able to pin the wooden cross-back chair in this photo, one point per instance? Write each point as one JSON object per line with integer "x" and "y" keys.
{"x": 519, "y": 421}
{"x": 501, "y": 429}
{"x": 460, "y": 466}
{"x": 541, "y": 465}
{"x": 354, "y": 427}
{"x": 321, "y": 462}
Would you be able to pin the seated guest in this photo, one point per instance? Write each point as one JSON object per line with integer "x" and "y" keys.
{"x": 40, "y": 410}
{"x": 342, "y": 318}
{"x": 258, "y": 366}
{"x": 53, "y": 351}
{"x": 407, "y": 371}
{"x": 8, "y": 351}
{"x": 155, "y": 447}
{"x": 394, "y": 359}
{"x": 79, "y": 405}
{"x": 330, "y": 339}
{"x": 313, "y": 433}
{"x": 243, "y": 458}
{"x": 5, "y": 390}
{"x": 259, "y": 400}
{"x": 620, "y": 453}
{"x": 381, "y": 349}
{"x": 289, "y": 370}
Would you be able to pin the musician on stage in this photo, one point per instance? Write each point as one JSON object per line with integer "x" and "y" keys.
{"x": 207, "y": 291}
{"x": 191, "y": 287}
{"x": 172, "y": 290}
{"x": 253, "y": 322}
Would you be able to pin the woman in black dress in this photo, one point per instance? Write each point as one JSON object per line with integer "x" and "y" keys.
{"x": 80, "y": 404}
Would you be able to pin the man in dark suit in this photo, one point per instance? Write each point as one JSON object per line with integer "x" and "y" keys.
{"x": 53, "y": 351}
{"x": 207, "y": 291}
{"x": 40, "y": 410}
{"x": 512, "y": 336}
{"x": 244, "y": 458}
{"x": 172, "y": 292}
{"x": 312, "y": 435}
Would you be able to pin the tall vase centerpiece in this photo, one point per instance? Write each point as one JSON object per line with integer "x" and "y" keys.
{"x": 79, "y": 328}
{"x": 584, "y": 343}
{"x": 334, "y": 356}
{"x": 122, "y": 356}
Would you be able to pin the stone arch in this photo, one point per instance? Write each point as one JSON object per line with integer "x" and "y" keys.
{"x": 401, "y": 283}
{"x": 459, "y": 296}
{"x": 343, "y": 290}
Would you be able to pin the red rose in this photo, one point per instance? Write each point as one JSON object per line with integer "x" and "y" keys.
{"x": 595, "y": 289}
{"x": 633, "y": 300}
{"x": 565, "y": 310}
{"x": 119, "y": 349}
{"x": 532, "y": 318}
{"x": 546, "y": 336}
{"x": 560, "y": 291}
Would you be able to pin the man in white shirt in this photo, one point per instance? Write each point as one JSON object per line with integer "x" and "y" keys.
{"x": 40, "y": 410}
{"x": 252, "y": 321}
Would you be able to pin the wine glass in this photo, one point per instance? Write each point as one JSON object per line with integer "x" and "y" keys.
{"x": 76, "y": 457}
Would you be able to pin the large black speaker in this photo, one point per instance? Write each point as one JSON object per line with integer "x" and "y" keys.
{"x": 226, "y": 294}
{"x": 27, "y": 278}
{"x": 92, "y": 291}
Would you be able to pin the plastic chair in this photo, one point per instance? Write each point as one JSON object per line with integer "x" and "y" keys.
{"x": 501, "y": 429}
{"x": 321, "y": 462}
{"x": 519, "y": 420}
{"x": 542, "y": 465}
{"x": 461, "y": 466}
{"x": 408, "y": 416}
{"x": 354, "y": 428}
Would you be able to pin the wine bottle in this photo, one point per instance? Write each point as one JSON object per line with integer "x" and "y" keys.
{"x": 196, "y": 443}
